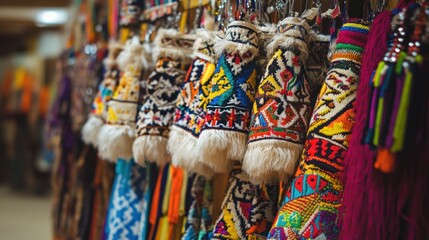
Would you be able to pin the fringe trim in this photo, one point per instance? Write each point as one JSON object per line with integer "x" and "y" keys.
{"x": 91, "y": 129}
{"x": 218, "y": 149}
{"x": 152, "y": 149}
{"x": 205, "y": 38}
{"x": 182, "y": 53}
{"x": 114, "y": 50}
{"x": 309, "y": 14}
{"x": 271, "y": 161}
{"x": 294, "y": 32}
{"x": 267, "y": 29}
{"x": 294, "y": 44}
{"x": 182, "y": 147}
{"x": 222, "y": 45}
{"x": 147, "y": 60}
{"x": 231, "y": 46}
{"x": 244, "y": 24}
{"x": 131, "y": 56}
{"x": 115, "y": 141}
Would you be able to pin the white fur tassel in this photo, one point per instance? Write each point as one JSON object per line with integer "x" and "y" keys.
{"x": 182, "y": 147}
{"x": 91, "y": 129}
{"x": 218, "y": 149}
{"x": 115, "y": 141}
{"x": 271, "y": 161}
{"x": 152, "y": 149}
{"x": 222, "y": 45}
{"x": 165, "y": 47}
{"x": 290, "y": 43}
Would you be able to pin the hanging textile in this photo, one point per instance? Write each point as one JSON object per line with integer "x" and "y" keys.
{"x": 388, "y": 185}
{"x": 191, "y": 107}
{"x": 248, "y": 210}
{"x": 117, "y": 136}
{"x": 103, "y": 183}
{"x": 282, "y": 107}
{"x": 107, "y": 87}
{"x": 312, "y": 199}
{"x": 223, "y": 138}
{"x": 156, "y": 113}
{"x": 151, "y": 176}
{"x": 199, "y": 220}
{"x": 126, "y": 203}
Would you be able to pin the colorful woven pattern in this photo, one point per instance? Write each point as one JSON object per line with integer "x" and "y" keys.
{"x": 281, "y": 111}
{"x": 122, "y": 108}
{"x": 126, "y": 203}
{"x": 232, "y": 93}
{"x": 116, "y": 137}
{"x": 231, "y": 98}
{"x": 105, "y": 92}
{"x": 159, "y": 96}
{"x": 191, "y": 107}
{"x": 193, "y": 220}
{"x": 248, "y": 210}
{"x": 106, "y": 89}
{"x": 189, "y": 113}
{"x": 282, "y": 107}
{"x": 310, "y": 208}
{"x": 163, "y": 87}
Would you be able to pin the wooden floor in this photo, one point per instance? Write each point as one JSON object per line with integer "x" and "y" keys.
{"x": 24, "y": 216}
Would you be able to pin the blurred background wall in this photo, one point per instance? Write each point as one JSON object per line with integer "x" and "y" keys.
{"x": 32, "y": 35}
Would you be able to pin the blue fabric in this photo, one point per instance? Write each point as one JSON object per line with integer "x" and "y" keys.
{"x": 126, "y": 204}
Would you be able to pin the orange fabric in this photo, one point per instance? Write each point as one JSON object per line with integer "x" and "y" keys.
{"x": 155, "y": 204}
{"x": 174, "y": 204}
{"x": 27, "y": 92}
{"x": 354, "y": 57}
{"x": 89, "y": 23}
{"x": 44, "y": 101}
{"x": 386, "y": 161}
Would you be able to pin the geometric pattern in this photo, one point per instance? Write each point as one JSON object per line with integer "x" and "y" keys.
{"x": 282, "y": 107}
{"x": 159, "y": 98}
{"x": 231, "y": 96}
{"x": 122, "y": 108}
{"x": 310, "y": 209}
{"x": 248, "y": 210}
{"x": 105, "y": 92}
{"x": 126, "y": 204}
{"x": 234, "y": 81}
{"x": 191, "y": 104}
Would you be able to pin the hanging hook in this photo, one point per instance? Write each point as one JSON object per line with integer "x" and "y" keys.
{"x": 281, "y": 8}
{"x": 291, "y": 6}
{"x": 199, "y": 14}
{"x": 318, "y": 23}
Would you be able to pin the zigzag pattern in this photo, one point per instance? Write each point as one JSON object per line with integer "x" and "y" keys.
{"x": 157, "y": 110}
{"x": 318, "y": 179}
{"x": 126, "y": 204}
{"x": 282, "y": 106}
{"x": 231, "y": 96}
{"x": 123, "y": 105}
{"x": 248, "y": 210}
{"x": 189, "y": 113}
